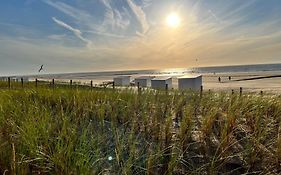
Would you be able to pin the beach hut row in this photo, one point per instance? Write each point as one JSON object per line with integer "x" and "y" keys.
{"x": 193, "y": 82}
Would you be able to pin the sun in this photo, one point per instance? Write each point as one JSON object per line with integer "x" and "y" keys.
{"x": 173, "y": 20}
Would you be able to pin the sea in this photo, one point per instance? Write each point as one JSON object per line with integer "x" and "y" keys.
{"x": 176, "y": 71}
{"x": 105, "y": 76}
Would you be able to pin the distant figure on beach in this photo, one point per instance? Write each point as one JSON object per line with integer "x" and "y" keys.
{"x": 229, "y": 78}
{"x": 41, "y": 68}
{"x": 219, "y": 79}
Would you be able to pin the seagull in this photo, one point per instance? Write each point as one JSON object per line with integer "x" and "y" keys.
{"x": 41, "y": 68}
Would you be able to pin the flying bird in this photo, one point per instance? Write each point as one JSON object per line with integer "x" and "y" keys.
{"x": 41, "y": 68}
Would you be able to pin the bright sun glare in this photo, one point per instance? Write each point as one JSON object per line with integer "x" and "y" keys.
{"x": 173, "y": 20}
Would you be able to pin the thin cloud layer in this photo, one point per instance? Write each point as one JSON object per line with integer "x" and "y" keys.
{"x": 132, "y": 34}
{"x": 140, "y": 15}
{"x": 113, "y": 17}
{"x": 76, "y": 32}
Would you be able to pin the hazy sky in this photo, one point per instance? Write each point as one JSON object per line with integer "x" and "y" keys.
{"x": 97, "y": 35}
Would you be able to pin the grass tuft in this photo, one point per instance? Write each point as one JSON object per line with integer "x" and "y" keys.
{"x": 103, "y": 131}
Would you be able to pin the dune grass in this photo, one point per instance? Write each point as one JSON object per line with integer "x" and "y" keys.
{"x": 104, "y": 131}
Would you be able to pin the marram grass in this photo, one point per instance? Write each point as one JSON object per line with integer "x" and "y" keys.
{"x": 102, "y": 131}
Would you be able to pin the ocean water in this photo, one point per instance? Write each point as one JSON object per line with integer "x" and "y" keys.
{"x": 240, "y": 68}
{"x": 134, "y": 73}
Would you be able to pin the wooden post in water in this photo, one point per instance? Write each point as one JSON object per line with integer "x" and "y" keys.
{"x": 241, "y": 91}
{"x": 36, "y": 82}
{"x": 9, "y": 82}
{"x": 91, "y": 84}
{"x": 21, "y": 80}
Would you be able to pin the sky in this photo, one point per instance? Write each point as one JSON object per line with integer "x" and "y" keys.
{"x": 102, "y": 35}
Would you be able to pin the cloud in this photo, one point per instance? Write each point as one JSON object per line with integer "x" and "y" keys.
{"x": 214, "y": 15}
{"x": 23, "y": 57}
{"x": 146, "y": 3}
{"x": 140, "y": 15}
{"x": 109, "y": 13}
{"x": 106, "y": 34}
{"x": 248, "y": 32}
{"x": 120, "y": 20}
{"x": 83, "y": 17}
{"x": 140, "y": 34}
{"x": 113, "y": 17}
{"x": 69, "y": 10}
{"x": 239, "y": 9}
{"x": 76, "y": 32}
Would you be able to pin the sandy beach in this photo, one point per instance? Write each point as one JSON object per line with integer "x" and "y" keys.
{"x": 272, "y": 85}
{"x": 210, "y": 80}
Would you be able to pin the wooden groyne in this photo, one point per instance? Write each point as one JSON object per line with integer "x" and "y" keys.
{"x": 257, "y": 78}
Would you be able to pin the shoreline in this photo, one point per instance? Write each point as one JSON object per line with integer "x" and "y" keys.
{"x": 267, "y": 81}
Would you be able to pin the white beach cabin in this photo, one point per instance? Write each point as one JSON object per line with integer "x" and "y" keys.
{"x": 122, "y": 81}
{"x": 160, "y": 82}
{"x": 193, "y": 82}
{"x": 144, "y": 81}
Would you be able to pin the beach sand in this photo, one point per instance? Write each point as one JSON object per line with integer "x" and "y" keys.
{"x": 271, "y": 85}
{"x": 210, "y": 81}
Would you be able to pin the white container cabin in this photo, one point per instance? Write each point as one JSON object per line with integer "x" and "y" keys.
{"x": 143, "y": 81}
{"x": 192, "y": 82}
{"x": 122, "y": 81}
{"x": 160, "y": 82}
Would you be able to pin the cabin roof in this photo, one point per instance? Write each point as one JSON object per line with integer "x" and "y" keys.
{"x": 162, "y": 78}
{"x": 190, "y": 76}
{"x": 144, "y": 77}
